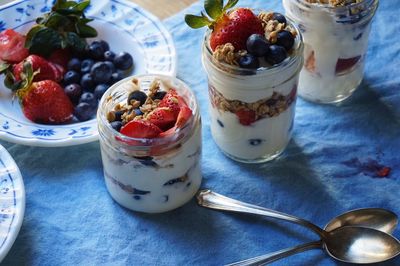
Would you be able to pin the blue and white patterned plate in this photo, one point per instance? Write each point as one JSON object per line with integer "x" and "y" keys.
{"x": 125, "y": 25}
{"x": 12, "y": 201}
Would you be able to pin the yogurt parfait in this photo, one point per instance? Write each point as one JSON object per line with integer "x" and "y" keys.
{"x": 336, "y": 36}
{"x": 150, "y": 138}
{"x": 252, "y": 59}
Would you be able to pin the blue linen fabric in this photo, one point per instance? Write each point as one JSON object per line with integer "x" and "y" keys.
{"x": 327, "y": 169}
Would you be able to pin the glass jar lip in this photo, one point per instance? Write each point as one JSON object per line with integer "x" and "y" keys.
{"x": 146, "y": 142}
{"x": 298, "y": 51}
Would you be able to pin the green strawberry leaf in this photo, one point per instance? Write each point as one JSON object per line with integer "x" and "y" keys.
{"x": 82, "y": 5}
{"x": 75, "y": 42}
{"x": 85, "y": 31}
{"x": 197, "y": 22}
{"x": 230, "y": 4}
{"x": 45, "y": 41}
{"x": 214, "y": 8}
{"x": 4, "y": 67}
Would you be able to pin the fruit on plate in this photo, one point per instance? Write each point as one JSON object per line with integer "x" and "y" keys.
{"x": 57, "y": 50}
{"x": 233, "y": 27}
{"x": 43, "y": 101}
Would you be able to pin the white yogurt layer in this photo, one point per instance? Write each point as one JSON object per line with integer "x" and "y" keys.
{"x": 156, "y": 184}
{"x": 330, "y": 42}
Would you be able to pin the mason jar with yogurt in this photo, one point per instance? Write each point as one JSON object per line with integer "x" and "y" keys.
{"x": 252, "y": 110}
{"x": 150, "y": 175}
{"x": 336, "y": 37}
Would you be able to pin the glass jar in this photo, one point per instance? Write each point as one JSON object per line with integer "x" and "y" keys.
{"x": 150, "y": 175}
{"x": 335, "y": 46}
{"x": 252, "y": 111}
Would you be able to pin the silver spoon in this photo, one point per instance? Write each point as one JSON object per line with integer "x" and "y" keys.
{"x": 347, "y": 244}
{"x": 376, "y": 218}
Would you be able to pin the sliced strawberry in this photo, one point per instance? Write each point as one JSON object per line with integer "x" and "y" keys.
{"x": 12, "y": 46}
{"x": 310, "y": 63}
{"x": 60, "y": 57}
{"x": 47, "y": 70}
{"x": 173, "y": 101}
{"x": 140, "y": 129}
{"x": 45, "y": 102}
{"x": 184, "y": 115}
{"x": 162, "y": 117}
{"x": 246, "y": 117}
{"x": 235, "y": 28}
{"x": 345, "y": 65}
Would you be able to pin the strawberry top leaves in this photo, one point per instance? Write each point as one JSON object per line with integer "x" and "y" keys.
{"x": 64, "y": 27}
{"x": 215, "y": 9}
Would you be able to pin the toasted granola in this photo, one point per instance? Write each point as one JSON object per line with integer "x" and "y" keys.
{"x": 335, "y": 3}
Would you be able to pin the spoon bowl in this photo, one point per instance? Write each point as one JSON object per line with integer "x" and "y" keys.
{"x": 361, "y": 245}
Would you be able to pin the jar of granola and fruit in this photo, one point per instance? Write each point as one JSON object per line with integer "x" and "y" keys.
{"x": 336, "y": 34}
{"x": 150, "y": 138}
{"x": 253, "y": 87}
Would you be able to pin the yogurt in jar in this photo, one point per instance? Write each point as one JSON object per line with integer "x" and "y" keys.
{"x": 157, "y": 173}
{"x": 336, "y": 37}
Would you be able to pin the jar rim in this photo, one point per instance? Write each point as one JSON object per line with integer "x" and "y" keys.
{"x": 146, "y": 143}
{"x": 227, "y": 68}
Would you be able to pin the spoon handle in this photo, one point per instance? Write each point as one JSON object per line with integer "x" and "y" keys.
{"x": 271, "y": 257}
{"x": 212, "y": 200}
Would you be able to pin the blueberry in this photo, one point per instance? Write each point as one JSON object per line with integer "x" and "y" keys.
{"x": 86, "y": 66}
{"x": 276, "y": 54}
{"x": 95, "y": 50}
{"x": 111, "y": 65}
{"x": 279, "y": 17}
{"x": 87, "y": 82}
{"x": 285, "y": 39}
{"x": 123, "y": 61}
{"x": 84, "y": 112}
{"x": 109, "y": 56}
{"x": 255, "y": 142}
{"x": 88, "y": 98}
{"x": 100, "y": 90}
{"x": 115, "y": 77}
{"x": 116, "y": 125}
{"x": 257, "y": 45}
{"x": 249, "y": 61}
{"x": 118, "y": 115}
{"x": 71, "y": 77}
{"x": 138, "y": 96}
{"x": 159, "y": 95}
{"x": 101, "y": 72}
{"x": 74, "y": 64}
{"x": 74, "y": 92}
{"x": 104, "y": 44}
{"x": 138, "y": 111}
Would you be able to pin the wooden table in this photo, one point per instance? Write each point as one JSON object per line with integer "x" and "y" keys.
{"x": 160, "y": 8}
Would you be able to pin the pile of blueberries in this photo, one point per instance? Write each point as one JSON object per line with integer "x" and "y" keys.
{"x": 259, "y": 47}
{"x": 90, "y": 74}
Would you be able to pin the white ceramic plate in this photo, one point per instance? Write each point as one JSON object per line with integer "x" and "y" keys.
{"x": 124, "y": 25}
{"x": 12, "y": 201}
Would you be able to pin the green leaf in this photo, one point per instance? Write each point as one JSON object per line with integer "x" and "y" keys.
{"x": 230, "y": 4}
{"x": 31, "y": 34}
{"x": 4, "y": 67}
{"x": 75, "y": 41}
{"x": 85, "y": 31}
{"x": 82, "y": 5}
{"x": 214, "y": 8}
{"x": 197, "y": 22}
{"x": 56, "y": 20}
{"x": 45, "y": 41}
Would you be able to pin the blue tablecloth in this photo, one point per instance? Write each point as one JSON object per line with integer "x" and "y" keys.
{"x": 329, "y": 167}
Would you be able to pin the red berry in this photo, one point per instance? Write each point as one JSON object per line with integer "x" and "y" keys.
{"x": 48, "y": 71}
{"x": 12, "y": 46}
{"x": 140, "y": 129}
{"x": 162, "y": 117}
{"x": 236, "y": 28}
{"x": 61, "y": 58}
{"x": 184, "y": 115}
{"x": 173, "y": 101}
{"x": 45, "y": 102}
{"x": 344, "y": 65}
{"x": 246, "y": 117}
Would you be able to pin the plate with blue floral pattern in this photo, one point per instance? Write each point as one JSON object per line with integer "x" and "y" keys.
{"x": 12, "y": 201}
{"x": 124, "y": 25}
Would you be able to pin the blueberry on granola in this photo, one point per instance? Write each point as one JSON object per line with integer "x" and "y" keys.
{"x": 279, "y": 17}
{"x": 116, "y": 125}
{"x": 285, "y": 39}
{"x": 257, "y": 45}
{"x": 249, "y": 61}
{"x": 276, "y": 54}
{"x": 137, "y": 96}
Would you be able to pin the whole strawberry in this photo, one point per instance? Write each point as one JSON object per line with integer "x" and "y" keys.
{"x": 44, "y": 101}
{"x": 233, "y": 27}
